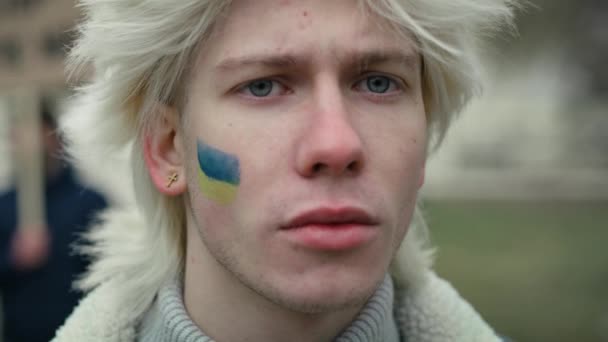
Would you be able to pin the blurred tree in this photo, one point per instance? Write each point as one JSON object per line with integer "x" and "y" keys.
{"x": 591, "y": 45}
{"x": 573, "y": 34}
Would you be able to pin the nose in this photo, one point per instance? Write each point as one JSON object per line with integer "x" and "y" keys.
{"x": 331, "y": 144}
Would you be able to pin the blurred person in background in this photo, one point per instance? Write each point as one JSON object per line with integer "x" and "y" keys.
{"x": 591, "y": 47}
{"x": 37, "y": 264}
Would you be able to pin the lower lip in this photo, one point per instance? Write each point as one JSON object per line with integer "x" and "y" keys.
{"x": 331, "y": 237}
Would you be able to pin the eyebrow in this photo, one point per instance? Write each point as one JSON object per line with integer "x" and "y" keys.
{"x": 360, "y": 60}
{"x": 364, "y": 60}
{"x": 270, "y": 61}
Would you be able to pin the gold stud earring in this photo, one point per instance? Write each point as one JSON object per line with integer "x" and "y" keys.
{"x": 171, "y": 179}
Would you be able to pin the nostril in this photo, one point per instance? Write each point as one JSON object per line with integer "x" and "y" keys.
{"x": 317, "y": 167}
{"x": 353, "y": 166}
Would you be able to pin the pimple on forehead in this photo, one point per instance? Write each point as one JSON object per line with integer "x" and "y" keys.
{"x": 305, "y": 21}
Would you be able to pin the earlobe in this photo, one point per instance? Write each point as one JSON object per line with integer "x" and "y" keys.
{"x": 164, "y": 155}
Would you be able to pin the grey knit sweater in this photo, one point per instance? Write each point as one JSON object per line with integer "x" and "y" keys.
{"x": 168, "y": 321}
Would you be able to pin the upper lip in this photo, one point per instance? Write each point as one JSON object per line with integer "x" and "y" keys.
{"x": 331, "y": 216}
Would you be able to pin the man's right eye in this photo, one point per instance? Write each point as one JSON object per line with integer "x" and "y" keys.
{"x": 260, "y": 88}
{"x": 263, "y": 88}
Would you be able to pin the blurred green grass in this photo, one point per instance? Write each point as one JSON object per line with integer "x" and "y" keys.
{"x": 536, "y": 271}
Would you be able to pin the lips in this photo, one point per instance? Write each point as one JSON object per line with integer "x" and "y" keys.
{"x": 331, "y": 217}
{"x": 331, "y": 229}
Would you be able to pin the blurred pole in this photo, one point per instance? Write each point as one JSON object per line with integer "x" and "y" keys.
{"x": 27, "y": 149}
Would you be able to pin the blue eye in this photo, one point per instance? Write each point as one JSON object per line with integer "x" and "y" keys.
{"x": 378, "y": 84}
{"x": 260, "y": 88}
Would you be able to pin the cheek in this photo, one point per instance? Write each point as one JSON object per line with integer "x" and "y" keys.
{"x": 213, "y": 222}
{"x": 219, "y": 197}
{"x": 413, "y": 166}
{"x": 403, "y": 151}
{"x": 402, "y": 159}
{"x": 409, "y": 172}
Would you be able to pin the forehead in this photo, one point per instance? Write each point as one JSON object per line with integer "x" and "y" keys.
{"x": 301, "y": 27}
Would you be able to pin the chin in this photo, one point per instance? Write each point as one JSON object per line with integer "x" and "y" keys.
{"x": 311, "y": 303}
{"x": 319, "y": 293}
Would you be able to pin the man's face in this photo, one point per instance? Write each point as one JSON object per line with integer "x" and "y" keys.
{"x": 305, "y": 141}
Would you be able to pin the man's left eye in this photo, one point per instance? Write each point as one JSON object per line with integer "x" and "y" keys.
{"x": 377, "y": 84}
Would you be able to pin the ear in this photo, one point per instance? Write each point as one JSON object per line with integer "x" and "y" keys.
{"x": 164, "y": 154}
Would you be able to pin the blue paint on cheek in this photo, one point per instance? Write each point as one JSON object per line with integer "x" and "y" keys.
{"x": 218, "y": 165}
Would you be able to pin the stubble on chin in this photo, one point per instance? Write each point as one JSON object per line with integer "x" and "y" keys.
{"x": 353, "y": 298}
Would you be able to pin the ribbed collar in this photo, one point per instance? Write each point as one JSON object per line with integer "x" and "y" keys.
{"x": 168, "y": 321}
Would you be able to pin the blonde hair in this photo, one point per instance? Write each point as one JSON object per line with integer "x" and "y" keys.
{"x": 140, "y": 50}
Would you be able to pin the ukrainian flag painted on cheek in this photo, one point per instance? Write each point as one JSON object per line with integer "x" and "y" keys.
{"x": 219, "y": 173}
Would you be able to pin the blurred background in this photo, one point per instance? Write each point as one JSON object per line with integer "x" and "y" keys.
{"x": 45, "y": 207}
{"x": 517, "y": 198}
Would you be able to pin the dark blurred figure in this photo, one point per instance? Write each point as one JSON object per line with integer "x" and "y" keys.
{"x": 589, "y": 49}
{"x": 38, "y": 266}
{"x": 592, "y": 44}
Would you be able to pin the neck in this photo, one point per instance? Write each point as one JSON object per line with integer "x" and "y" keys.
{"x": 227, "y": 310}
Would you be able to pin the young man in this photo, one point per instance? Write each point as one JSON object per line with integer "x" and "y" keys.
{"x": 277, "y": 149}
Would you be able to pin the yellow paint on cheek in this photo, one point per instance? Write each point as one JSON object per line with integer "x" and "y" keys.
{"x": 220, "y": 192}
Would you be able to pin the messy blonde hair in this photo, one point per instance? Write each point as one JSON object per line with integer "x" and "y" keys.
{"x": 140, "y": 51}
